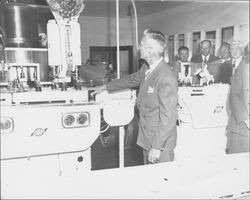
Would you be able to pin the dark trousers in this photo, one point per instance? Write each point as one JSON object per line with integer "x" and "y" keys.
{"x": 237, "y": 143}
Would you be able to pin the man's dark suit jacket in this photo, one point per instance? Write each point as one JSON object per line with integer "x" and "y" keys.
{"x": 157, "y": 101}
{"x": 198, "y": 58}
{"x": 222, "y": 72}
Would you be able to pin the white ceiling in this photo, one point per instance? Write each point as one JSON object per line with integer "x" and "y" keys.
{"x": 107, "y": 8}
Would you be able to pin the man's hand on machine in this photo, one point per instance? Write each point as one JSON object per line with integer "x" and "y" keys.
{"x": 97, "y": 89}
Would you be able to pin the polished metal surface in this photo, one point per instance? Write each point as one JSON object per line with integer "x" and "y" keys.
{"x": 20, "y": 25}
{"x": 26, "y": 56}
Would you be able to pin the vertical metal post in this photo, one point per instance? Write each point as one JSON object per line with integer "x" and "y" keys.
{"x": 121, "y": 146}
{"x": 217, "y": 40}
{"x": 117, "y": 39}
{"x": 121, "y": 128}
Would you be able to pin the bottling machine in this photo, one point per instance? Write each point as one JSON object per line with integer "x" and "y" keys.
{"x": 47, "y": 111}
{"x": 47, "y": 115}
{"x": 49, "y": 122}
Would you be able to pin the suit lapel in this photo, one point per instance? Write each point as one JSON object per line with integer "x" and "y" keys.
{"x": 201, "y": 60}
{"x": 150, "y": 78}
{"x": 239, "y": 67}
{"x": 155, "y": 72}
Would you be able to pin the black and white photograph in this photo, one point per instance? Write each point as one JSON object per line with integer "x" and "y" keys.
{"x": 124, "y": 99}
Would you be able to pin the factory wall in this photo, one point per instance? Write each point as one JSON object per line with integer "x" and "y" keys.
{"x": 101, "y": 31}
{"x": 191, "y": 17}
{"x": 197, "y": 16}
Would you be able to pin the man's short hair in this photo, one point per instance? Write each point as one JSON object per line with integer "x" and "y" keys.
{"x": 183, "y": 48}
{"x": 210, "y": 43}
{"x": 156, "y": 35}
{"x": 237, "y": 43}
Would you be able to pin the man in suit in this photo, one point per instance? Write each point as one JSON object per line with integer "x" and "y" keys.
{"x": 200, "y": 63}
{"x": 156, "y": 102}
{"x": 238, "y": 125}
{"x": 222, "y": 69}
{"x": 181, "y": 67}
{"x": 205, "y": 55}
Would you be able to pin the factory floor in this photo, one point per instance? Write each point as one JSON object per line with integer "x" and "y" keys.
{"x": 108, "y": 157}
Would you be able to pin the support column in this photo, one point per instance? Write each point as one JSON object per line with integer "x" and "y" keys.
{"x": 236, "y": 32}
{"x": 188, "y": 43}
{"x": 217, "y": 40}
{"x": 203, "y": 35}
{"x": 176, "y": 44}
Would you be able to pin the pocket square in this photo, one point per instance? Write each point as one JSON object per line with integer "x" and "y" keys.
{"x": 150, "y": 89}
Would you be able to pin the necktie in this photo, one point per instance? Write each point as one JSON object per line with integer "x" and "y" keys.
{"x": 205, "y": 60}
{"x": 233, "y": 66}
{"x": 234, "y": 63}
{"x": 186, "y": 70}
{"x": 147, "y": 72}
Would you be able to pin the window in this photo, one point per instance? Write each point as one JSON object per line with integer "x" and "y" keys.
{"x": 181, "y": 40}
{"x": 102, "y": 57}
{"x": 196, "y": 43}
{"x": 227, "y": 34}
{"x": 210, "y": 35}
{"x": 171, "y": 48}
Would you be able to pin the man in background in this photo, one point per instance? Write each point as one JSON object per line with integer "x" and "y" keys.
{"x": 201, "y": 61}
{"x": 156, "y": 102}
{"x": 238, "y": 124}
{"x": 182, "y": 66}
{"x": 222, "y": 71}
{"x": 205, "y": 55}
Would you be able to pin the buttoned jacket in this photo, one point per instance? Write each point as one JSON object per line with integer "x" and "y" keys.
{"x": 157, "y": 104}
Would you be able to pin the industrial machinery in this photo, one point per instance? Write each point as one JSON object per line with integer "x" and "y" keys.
{"x": 49, "y": 122}
{"x": 43, "y": 100}
{"x": 203, "y": 114}
{"x": 48, "y": 117}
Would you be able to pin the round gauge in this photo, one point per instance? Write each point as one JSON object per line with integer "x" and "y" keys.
{"x": 82, "y": 118}
{"x": 69, "y": 120}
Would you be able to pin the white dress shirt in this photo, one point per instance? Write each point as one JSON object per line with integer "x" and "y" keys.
{"x": 205, "y": 57}
{"x": 152, "y": 67}
{"x": 236, "y": 63}
{"x": 182, "y": 70}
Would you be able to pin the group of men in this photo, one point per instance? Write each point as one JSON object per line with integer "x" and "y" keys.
{"x": 205, "y": 65}
{"x": 158, "y": 93}
{"x": 232, "y": 67}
